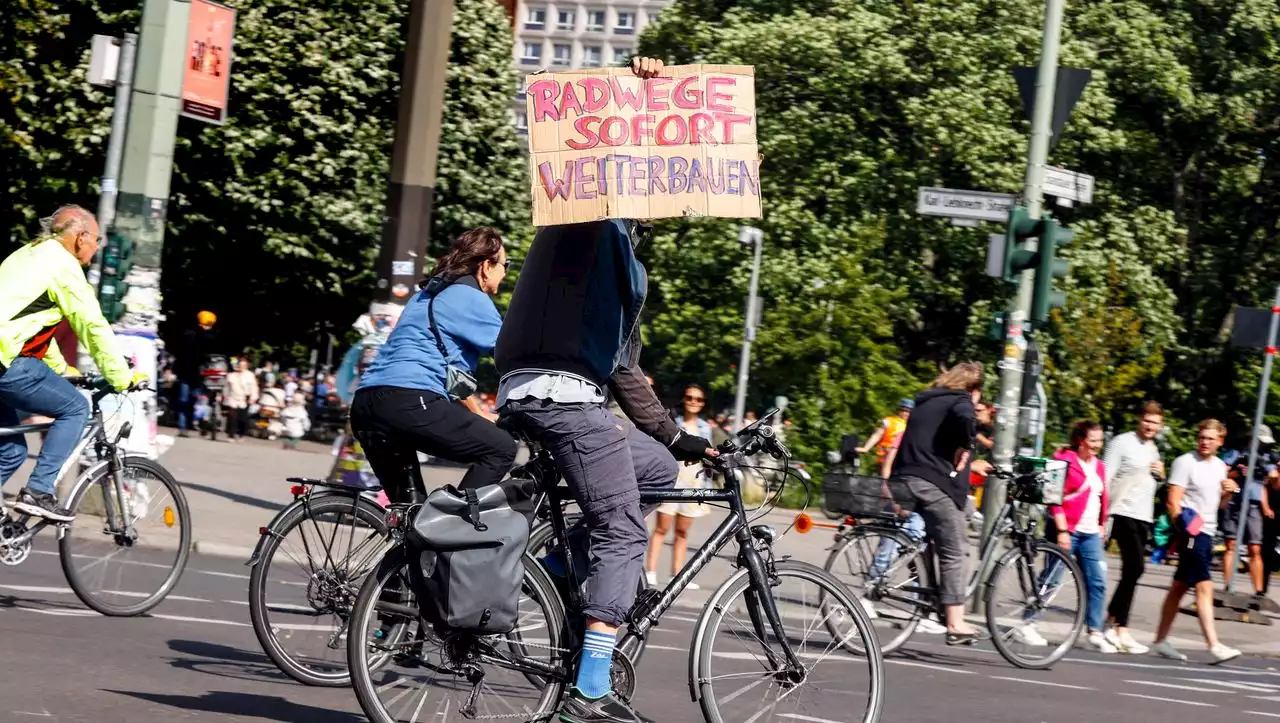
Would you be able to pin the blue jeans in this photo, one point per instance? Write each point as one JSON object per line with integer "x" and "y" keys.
{"x": 888, "y": 549}
{"x": 30, "y": 385}
{"x": 186, "y": 396}
{"x": 1088, "y": 552}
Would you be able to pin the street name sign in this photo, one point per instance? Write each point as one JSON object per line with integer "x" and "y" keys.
{"x": 1070, "y": 185}
{"x": 955, "y": 203}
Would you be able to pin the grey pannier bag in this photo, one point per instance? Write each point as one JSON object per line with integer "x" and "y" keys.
{"x": 469, "y": 546}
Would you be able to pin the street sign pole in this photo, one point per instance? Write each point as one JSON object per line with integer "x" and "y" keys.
{"x": 1242, "y": 520}
{"x": 115, "y": 148}
{"x": 748, "y": 235}
{"x": 1015, "y": 339}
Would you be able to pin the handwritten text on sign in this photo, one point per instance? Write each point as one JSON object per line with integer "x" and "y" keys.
{"x": 607, "y": 144}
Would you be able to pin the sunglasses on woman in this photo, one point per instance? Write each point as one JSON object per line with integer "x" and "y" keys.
{"x": 694, "y": 399}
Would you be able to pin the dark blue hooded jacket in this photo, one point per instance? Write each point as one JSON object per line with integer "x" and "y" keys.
{"x": 576, "y": 308}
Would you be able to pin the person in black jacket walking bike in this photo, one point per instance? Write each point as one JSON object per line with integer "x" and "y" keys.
{"x": 933, "y": 460}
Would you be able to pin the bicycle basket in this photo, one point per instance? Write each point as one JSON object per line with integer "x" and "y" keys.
{"x": 862, "y": 496}
{"x": 1040, "y": 481}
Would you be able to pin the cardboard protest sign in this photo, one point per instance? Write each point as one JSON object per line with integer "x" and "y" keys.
{"x": 607, "y": 144}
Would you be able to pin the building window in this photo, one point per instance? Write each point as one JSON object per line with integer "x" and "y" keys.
{"x": 536, "y": 19}
{"x": 653, "y": 18}
{"x": 522, "y": 121}
{"x": 595, "y": 21}
{"x": 626, "y": 24}
{"x": 532, "y": 54}
{"x": 564, "y": 20}
{"x": 591, "y": 56}
{"x": 563, "y": 54}
{"x": 621, "y": 55}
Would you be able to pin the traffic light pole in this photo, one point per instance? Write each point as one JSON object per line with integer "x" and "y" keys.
{"x": 1011, "y": 365}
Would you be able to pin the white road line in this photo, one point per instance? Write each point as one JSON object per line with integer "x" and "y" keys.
{"x": 1033, "y": 681}
{"x": 1252, "y": 687}
{"x": 807, "y": 718}
{"x": 1176, "y": 701}
{"x": 1259, "y": 712}
{"x": 1173, "y": 665}
{"x": 1177, "y": 686}
{"x": 943, "y": 668}
{"x": 651, "y": 646}
{"x": 210, "y": 621}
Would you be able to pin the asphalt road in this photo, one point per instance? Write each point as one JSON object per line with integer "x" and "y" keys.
{"x": 196, "y": 658}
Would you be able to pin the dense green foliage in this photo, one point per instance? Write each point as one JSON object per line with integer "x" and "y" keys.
{"x": 275, "y": 216}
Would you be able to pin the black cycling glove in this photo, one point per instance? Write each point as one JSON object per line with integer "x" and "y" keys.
{"x": 689, "y": 448}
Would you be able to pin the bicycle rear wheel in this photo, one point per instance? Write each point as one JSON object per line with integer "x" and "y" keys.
{"x": 889, "y": 590}
{"x": 1035, "y": 605}
{"x": 310, "y": 567}
{"x": 122, "y": 557}
{"x": 431, "y": 677}
{"x": 740, "y": 675}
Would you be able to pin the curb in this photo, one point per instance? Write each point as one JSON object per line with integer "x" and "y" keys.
{"x": 219, "y": 549}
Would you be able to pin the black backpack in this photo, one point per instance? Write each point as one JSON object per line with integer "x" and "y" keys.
{"x": 469, "y": 546}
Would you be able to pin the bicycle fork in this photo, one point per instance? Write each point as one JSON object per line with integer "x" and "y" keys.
{"x": 759, "y": 604}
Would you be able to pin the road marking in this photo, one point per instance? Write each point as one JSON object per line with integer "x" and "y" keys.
{"x": 1250, "y": 687}
{"x": 1033, "y": 681}
{"x": 1173, "y": 665}
{"x": 122, "y": 593}
{"x": 1177, "y": 686}
{"x": 943, "y": 668}
{"x": 1258, "y": 712}
{"x": 1170, "y": 700}
{"x": 808, "y": 718}
{"x": 651, "y": 646}
{"x": 211, "y": 621}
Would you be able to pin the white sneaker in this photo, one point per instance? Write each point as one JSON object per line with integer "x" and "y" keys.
{"x": 693, "y": 586}
{"x": 1222, "y": 653}
{"x": 870, "y": 607}
{"x": 1028, "y": 635}
{"x": 929, "y": 626}
{"x": 651, "y": 578}
{"x": 1165, "y": 650}
{"x": 1125, "y": 643}
{"x": 1099, "y": 641}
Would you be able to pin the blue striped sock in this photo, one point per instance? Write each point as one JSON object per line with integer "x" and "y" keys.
{"x": 593, "y": 671}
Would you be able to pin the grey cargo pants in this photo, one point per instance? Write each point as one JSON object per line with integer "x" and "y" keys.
{"x": 606, "y": 463}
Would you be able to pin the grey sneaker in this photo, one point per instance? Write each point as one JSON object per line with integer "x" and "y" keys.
{"x": 41, "y": 504}
{"x": 609, "y": 709}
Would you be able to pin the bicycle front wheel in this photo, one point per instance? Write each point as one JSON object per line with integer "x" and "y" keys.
{"x": 1035, "y": 605}
{"x": 309, "y": 571}
{"x": 740, "y": 669}
{"x": 122, "y": 557}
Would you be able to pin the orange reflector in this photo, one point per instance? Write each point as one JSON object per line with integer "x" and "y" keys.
{"x": 168, "y": 517}
{"x": 298, "y": 490}
{"x": 804, "y": 523}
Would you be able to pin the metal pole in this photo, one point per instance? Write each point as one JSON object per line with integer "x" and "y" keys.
{"x": 115, "y": 144}
{"x": 749, "y": 335}
{"x": 1015, "y": 343}
{"x": 1044, "y": 409}
{"x": 1258, "y": 412}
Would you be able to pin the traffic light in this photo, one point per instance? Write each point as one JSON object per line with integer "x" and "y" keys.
{"x": 1021, "y": 227}
{"x": 1048, "y": 268}
{"x": 117, "y": 260}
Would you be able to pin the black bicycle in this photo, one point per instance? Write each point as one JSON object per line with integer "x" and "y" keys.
{"x": 131, "y": 536}
{"x": 756, "y": 644}
{"x": 1034, "y": 596}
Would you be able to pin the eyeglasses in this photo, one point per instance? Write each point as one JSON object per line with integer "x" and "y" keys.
{"x": 688, "y": 398}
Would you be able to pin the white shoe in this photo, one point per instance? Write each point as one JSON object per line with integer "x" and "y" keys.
{"x": 1165, "y": 650}
{"x": 1099, "y": 641}
{"x": 1028, "y": 635}
{"x": 1222, "y": 653}
{"x": 930, "y": 627}
{"x": 870, "y": 607}
{"x": 651, "y": 578}
{"x": 1125, "y": 643}
{"x": 693, "y": 586}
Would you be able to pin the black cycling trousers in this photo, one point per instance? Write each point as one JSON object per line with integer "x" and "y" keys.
{"x": 393, "y": 424}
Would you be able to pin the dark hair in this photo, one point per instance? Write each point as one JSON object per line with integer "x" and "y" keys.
{"x": 1080, "y": 431}
{"x": 467, "y": 253}
{"x": 1152, "y": 408}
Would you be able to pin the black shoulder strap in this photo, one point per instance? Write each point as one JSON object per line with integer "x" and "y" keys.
{"x": 431, "y": 321}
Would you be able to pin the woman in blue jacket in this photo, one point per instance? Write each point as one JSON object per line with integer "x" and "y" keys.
{"x": 406, "y": 399}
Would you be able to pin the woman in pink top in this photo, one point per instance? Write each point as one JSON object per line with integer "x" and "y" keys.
{"x": 1078, "y": 524}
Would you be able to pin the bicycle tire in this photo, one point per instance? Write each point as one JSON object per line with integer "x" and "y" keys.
{"x": 717, "y": 606}
{"x": 66, "y": 554}
{"x": 366, "y": 605}
{"x": 364, "y": 511}
{"x": 1001, "y": 644}
{"x": 922, "y": 569}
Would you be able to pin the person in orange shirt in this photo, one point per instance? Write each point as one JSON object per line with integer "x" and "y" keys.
{"x": 886, "y": 437}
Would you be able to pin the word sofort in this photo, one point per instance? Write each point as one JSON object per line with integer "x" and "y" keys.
{"x": 590, "y": 176}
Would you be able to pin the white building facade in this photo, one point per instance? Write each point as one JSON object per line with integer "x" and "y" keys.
{"x": 567, "y": 35}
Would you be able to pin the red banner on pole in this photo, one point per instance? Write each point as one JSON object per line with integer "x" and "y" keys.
{"x": 206, "y": 80}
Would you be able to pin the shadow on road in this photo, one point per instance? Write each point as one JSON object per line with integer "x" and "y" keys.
{"x": 224, "y": 661}
{"x": 248, "y": 705}
{"x": 235, "y": 497}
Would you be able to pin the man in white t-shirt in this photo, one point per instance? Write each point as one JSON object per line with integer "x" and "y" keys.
{"x": 1133, "y": 468}
{"x": 1198, "y": 489}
